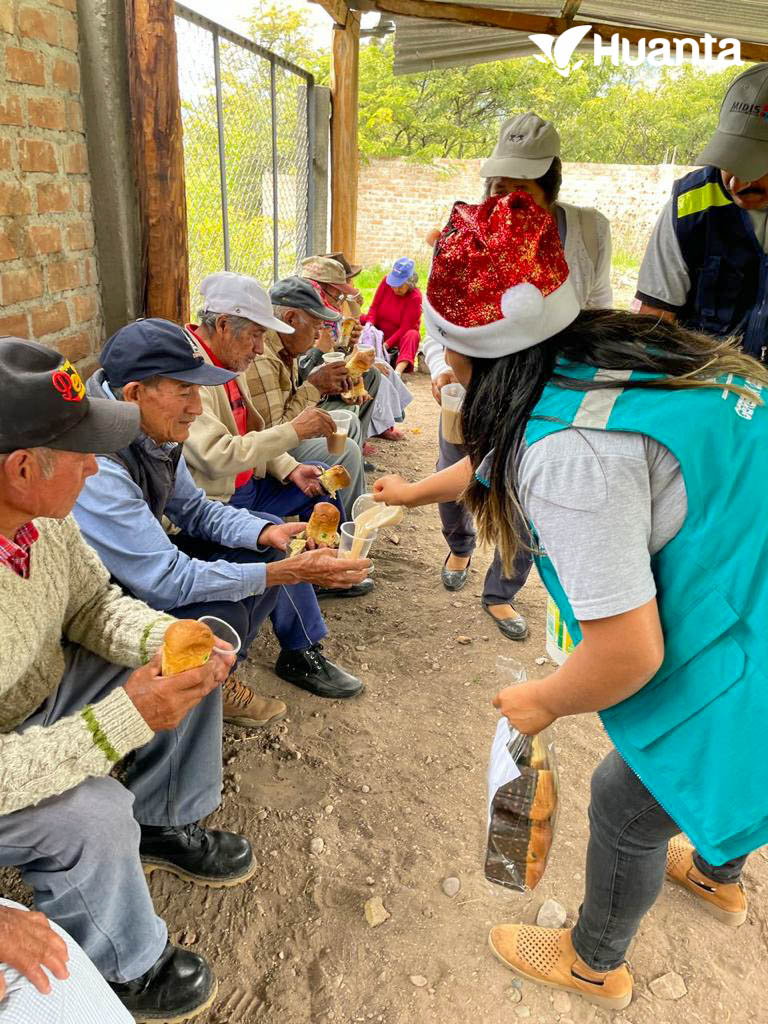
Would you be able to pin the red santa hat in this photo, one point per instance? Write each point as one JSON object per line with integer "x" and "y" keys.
{"x": 499, "y": 280}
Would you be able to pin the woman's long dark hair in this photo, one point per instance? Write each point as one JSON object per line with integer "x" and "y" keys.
{"x": 503, "y": 392}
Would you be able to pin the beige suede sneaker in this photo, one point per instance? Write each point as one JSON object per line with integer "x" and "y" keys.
{"x": 244, "y": 707}
{"x": 546, "y": 956}
{"x": 725, "y": 901}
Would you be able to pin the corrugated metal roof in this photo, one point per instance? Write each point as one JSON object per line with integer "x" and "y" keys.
{"x": 421, "y": 44}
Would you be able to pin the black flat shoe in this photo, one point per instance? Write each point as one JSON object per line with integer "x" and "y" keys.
{"x": 513, "y": 629}
{"x": 312, "y": 671}
{"x": 202, "y": 855}
{"x": 454, "y": 579}
{"x": 179, "y": 986}
{"x": 359, "y": 590}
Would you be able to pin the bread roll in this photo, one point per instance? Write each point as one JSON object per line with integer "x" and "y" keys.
{"x": 360, "y": 361}
{"x": 324, "y": 522}
{"x": 187, "y": 644}
{"x": 334, "y": 479}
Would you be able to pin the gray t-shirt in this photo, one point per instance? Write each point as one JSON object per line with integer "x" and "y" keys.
{"x": 663, "y": 273}
{"x": 603, "y": 502}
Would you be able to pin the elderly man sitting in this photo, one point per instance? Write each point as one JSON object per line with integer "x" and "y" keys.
{"x": 74, "y": 701}
{"x": 273, "y": 378}
{"x": 224, "y": 561}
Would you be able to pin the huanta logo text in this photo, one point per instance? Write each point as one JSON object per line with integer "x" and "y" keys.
{"x": 559, "y": 50}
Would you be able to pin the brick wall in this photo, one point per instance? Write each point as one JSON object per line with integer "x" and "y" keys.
{"x": 399, "y": 201}
{"x": 48, "y": 269}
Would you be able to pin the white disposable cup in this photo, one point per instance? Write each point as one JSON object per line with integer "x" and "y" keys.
{"x": 451, "y": 400}
{"x": 222, "y": 631}
{"x": 333, "y": 357}
{"x": 348, "y": 542}
{"x": 338, "y": 439}
{"x": 343, "y": 420}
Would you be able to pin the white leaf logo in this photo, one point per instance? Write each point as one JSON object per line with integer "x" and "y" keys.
{"x": 558, "y": 50}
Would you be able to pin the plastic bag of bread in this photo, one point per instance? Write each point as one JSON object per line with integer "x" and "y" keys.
{"x": 187, "y": 644}
{"x": 522, "y": 802}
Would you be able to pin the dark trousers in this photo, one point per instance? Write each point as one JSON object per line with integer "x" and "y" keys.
{"x": 460, "y": 536}
{"x": 269, "y": 496}
{"x": 626, "y": 861}
{"x": 296, "y": 617}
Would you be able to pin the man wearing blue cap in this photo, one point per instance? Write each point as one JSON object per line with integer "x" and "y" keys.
{"x": 396, "y": 310}
{"x": 224, "y": 561}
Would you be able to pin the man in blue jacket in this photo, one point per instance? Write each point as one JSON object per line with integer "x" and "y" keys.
{"x": 706, "y": 264}
{"x": 240, "y": 574}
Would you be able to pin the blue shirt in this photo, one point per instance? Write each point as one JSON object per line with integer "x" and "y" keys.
{"x": 117, "y": 522}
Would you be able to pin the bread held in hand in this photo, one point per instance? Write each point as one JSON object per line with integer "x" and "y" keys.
{"x": 187, "y": 644}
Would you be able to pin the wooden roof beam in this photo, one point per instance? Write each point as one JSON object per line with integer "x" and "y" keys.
{"x": 520, "y": 21}
{"x": 337, "y": 9}
{"x": 570, "y": 10}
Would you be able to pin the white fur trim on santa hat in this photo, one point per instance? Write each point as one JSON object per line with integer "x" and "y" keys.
{"x": 529, "y": 318}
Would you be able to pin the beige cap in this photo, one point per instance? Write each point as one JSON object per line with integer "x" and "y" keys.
{"x": 740, "y": 144}
{"x": 526, "y": 148}
{"x": 326, "y": 271}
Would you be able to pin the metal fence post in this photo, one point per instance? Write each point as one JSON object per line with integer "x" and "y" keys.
{"x": 222, "y": 155}
{"x": 275, "y": 227}
{"x": 310, "y": 167}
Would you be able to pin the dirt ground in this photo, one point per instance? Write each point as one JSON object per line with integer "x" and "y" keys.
{"x": 394, "y": 783}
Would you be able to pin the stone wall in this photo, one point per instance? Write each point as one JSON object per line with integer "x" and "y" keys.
{"x": 49, "y": 288}
{"x": 399, "y": 201}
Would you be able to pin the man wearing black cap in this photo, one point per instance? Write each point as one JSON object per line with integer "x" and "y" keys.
{"x": 224, "y": 561}
{"x": 74, "y": 701}
{"x": 706, "y": 264}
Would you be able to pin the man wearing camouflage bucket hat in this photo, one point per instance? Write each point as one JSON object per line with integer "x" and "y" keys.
{"x": 706, "y": 264}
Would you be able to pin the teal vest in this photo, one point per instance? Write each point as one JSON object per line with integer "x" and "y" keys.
{"x": 696, "y": 734}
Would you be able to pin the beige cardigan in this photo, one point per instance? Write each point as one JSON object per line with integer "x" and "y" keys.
{"x": 216, "y": 453}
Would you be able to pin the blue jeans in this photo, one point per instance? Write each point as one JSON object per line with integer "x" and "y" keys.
{"x": 270, "y": 496}
{"x": 626, "y": 861}
{"x": 80, "y": 850}
{"x": 296, "y": 617}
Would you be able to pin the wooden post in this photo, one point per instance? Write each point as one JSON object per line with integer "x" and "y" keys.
{"x": 159, "y": 156}
{"x": 344, "y": 154}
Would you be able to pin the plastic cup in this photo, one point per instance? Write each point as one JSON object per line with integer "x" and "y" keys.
{"x": 333, "y": 357}
{"x": 351, "y": 547}
{"x": 338, "y": 439}
{"x": 222, "y": 631}
{"x": 451, "y": 400}
{"x": 362, "y": 503}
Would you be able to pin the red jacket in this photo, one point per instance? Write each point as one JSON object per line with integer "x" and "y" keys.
{"x": 394, "y": 314}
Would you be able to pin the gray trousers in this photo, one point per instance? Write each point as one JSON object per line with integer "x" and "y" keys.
{"x": 79, "y": 851}
{"x": 461, "y": 538}
{"x": 315, "y": 449}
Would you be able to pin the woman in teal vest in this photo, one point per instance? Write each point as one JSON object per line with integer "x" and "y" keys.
{"x": 633, "y": 448}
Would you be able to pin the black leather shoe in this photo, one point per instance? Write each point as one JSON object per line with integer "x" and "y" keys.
{"x": 312, "y": 671}
{"x": 179, "y": 986}
{"x": 454, "y": 579}
{"x": 202, "y": 855}
{"x": 359, "y": 590}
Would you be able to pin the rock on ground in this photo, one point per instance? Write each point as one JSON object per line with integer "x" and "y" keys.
{"x": 669, "y": 986}
{"x": 375, "y": 912}
{"x": 551, "y": 914}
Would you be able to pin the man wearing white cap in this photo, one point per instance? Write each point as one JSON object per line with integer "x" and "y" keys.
{"x": 706, "y": 264}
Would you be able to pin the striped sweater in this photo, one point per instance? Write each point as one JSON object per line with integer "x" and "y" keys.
{"x": 68, "y": 597}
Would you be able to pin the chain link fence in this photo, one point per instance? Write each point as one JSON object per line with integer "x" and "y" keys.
{"x": 248, "y": 141}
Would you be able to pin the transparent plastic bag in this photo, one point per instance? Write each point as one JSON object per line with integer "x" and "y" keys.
{"x": 522, "y": 799}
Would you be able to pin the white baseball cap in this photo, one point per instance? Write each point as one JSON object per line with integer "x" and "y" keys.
{"x": 526, "y": 148}
{"x": 240, "y": 295}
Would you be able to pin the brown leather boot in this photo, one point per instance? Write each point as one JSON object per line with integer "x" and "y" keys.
{"x": 546, "y": 956}
{"x": 725, "y": 901}
{"x": 244, "y": 707}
